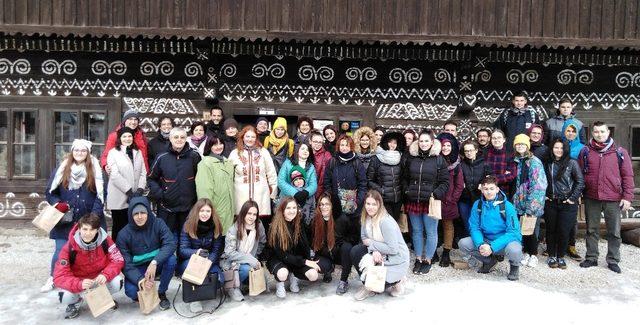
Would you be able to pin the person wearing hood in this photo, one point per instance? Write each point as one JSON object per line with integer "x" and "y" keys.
{"x": 474, "y": 170}
{"x": 555, "y": 126}
{"x": 538, "y": 147}
{"x": 529, "y": 197}
{"x": 229, "y": 136}
{"x": 365, "y": 145}
{"x": 517, "y": 119}
{"x": 304, "y": 127}
{"x": 130, "y": 119}
{"x": 331, "y": 136}
{"x": 214, "y": 181}
{"x": 424, "y": 174}
{"x": 262, "y": 126}
{"x": 494, "y": 229}
{"x": 128, "y": 178}
{"x": 201, "y": 235}
{"x": 321, "y": 159}
{"x": 384, "y": 172}
{"x": 451, "y": 153}
{"x": 216, "y": 118}
{"x": 89, "y": 259}
{"x": 147, "y": 246}
{"x": 198, "y": 139}
{"x": 172, "y": 181}
{"x": 75, "y": 188}
{"x": 570, "y": 134}
{"x": 501, "y": 162}
{"x": 160, "y": 143}
{"x": 298, "y": 178}
{"x": 278, "y": 144}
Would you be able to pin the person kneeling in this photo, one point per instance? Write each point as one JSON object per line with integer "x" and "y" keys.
{"x": 90, "y": 258}
{"x": 148, "y": 247}
{"x": 494, "y": 229}
{"x": 291, "y": 252}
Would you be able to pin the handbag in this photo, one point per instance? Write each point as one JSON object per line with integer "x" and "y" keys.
{"x": 348, "y": 200}
{"x": 148, "y": 299}
{"x": 435, "y": 208}
{"x": 197, "y": 269}
{"x": 231, "y": 279}
{"x": 527, "y": 225}
{"x": 257, "y": 281}
{"x": 48, "y": 218}
{"x": 99, "y": 300}
{"x": 376, "y": 278}
{"x": 205, "y": 291}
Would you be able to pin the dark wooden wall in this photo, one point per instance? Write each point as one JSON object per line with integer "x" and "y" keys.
{"x": 537, "y": 22}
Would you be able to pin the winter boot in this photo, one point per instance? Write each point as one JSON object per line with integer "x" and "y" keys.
{"x": 514, "y": 273}
{"x": 281, "y": 292}
{"x": 445, "y": 261}
{"x": 343, "y": 287}
{"x": 327, "y": 278}
{"x": 487, "y": 267}
{"x": 435, "y": 257}
{"x": 573, "y": 253}
{"x": 72, "y": 311}
{"x": 235, "y": 294}
{"x": 416, "y": 266}
{"x": 294, "y": 285}
{"x": 425, "y": 268}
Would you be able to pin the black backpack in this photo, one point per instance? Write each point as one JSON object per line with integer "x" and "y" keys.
{"x": 503, "y": 211}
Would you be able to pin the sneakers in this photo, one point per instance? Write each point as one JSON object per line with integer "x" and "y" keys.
{"x": 72, "y": 311}
{"x": 614, "y": 267}
{"x": 533, "y": 261}
{"x": 164, "y": 302}
{"x": 195, "y": 307}
{"x": 552, "y": 262}
{"x": 281, "y": 292}
{"x": 588, "y": 263}
{"x": 294, "y": 285}
{"x": 445, "y": 261}
{"x": 416, "y": 266}
{"x": 364, "y": 293}
{"x": 562, "y": 264}
{"x": 235, "y": 294}
{"x": 573, "y": 253}
{"x": 343, "y": 287}
{"x": 525, "y": 259}
{"x": 48, "y": 286}
{"x": 425, "y": 268}
{"x": 486, "y": 267}
{"x": 514, "y": 273}
{"x": 397, "y": 289}
{"x": 327, "y": 278}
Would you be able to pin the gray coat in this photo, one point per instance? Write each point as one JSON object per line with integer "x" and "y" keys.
{"x": 232, "y": 257}
{"x": 394, "y": 249}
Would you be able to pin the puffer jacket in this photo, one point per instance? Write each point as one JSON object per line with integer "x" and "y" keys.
{"x": 473, "y": 172}
{"x": 189, "y": 246}
{"x": 384, "y": 177}
{"x": 568, "y": 185}
{"x": 321, "y": 160}
{"x": 172, "y": 179}
{"x": 423, "y": 175}
{"x": 529, "y": 197}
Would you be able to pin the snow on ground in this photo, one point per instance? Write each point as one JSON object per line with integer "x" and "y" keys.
{"x": 444, "y": 296}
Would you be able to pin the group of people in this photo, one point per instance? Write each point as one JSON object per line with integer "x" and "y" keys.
{"x": 303, "y": 204}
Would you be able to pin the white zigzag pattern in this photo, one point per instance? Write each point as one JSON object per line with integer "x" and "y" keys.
{"x": 103, "y": 85}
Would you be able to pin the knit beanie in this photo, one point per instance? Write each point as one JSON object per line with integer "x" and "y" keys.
{"x": 229, "y": 123}
{"x": 297, "y": 172}
{"x": 522, "y": 139}
{"x": 260, "y": 119}
{"x": 81, "y": 144}
{"x": 124, "y": 130}
{"x": 129, "y": 114}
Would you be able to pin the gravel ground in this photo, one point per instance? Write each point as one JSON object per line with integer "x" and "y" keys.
{"x": 25, "y": 256}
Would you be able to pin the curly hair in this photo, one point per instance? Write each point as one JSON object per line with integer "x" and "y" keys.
{"x": 365, "y": 130}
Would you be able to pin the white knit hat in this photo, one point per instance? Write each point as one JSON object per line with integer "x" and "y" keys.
{"x": 81, "y": 143}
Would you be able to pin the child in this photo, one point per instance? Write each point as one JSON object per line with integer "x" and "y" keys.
{"x": 298, "y": 178}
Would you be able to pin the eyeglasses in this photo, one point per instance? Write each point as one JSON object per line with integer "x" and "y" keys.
{"x": 317, "y": 142}
{"x": 472, "y": 150}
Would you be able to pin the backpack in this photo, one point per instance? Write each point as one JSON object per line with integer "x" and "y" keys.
{"x": 73, "y": 253}
{"x": 584, "y": 153}
{"x": 503, "y": 211}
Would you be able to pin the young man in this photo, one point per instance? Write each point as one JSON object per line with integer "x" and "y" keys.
{"x": 484, "y": 140}
{"x": 148, "y": 247}
{"x": 564, "y": 114}
{"x": 517, "y": 119}
{"x": 216, "y": 119}
{"x": 608, "y": 177}
{"x": 538, "y": 148}
{"x": 494, "y": 229}
{"x": 89, "y": 259}
{"x": 501, "y": 162}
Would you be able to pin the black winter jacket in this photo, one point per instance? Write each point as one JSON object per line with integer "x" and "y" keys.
{"x": 423, "y": 175}
{"x": 385, "y": 179}
{"x": 540, "y": 150}
{"x": 473, "y": 172}
{"x": 513, "y": 122}
{"x": 172, "y": 179}
{"x": 568, "y": 185}
{"x": 349, "y": 175}
{"x": 156, "y": 146}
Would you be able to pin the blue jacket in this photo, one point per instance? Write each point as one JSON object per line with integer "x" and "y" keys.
{"x": 490, "y": 227}
{"x": 81, "y": 200}
{"x": 284, "y": 180}
{"x": 189, "y": 246}
{"x": 172, "y": 180}
{"x": 141, "y": 245}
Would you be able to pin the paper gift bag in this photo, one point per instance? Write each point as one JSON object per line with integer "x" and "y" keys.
{"x": 403, "y": 223}
{"x": 99, "y": 300}
{"x": 231, "y": 279}
{"x": 527, "y": 225}
{"x": 257, "y": 282}
{"x": 435, "y": 208}
{"x": 48, "y": 218}
{"x": 197, "y": 269}
{"x": 147, "y": 298}
{"x": 376, "y": 278}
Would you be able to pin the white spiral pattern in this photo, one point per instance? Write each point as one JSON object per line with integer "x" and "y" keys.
{"x": 193, "y": 69}
{"x": 228, "y": 70}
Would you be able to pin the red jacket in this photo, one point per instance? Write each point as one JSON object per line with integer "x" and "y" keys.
{"x": 88, "y": 264}
{"x": 139, "y": 138}
{"x": 606, "y": 179}
{"x": 320, "y": 162}
{"x": 450, "y": 201}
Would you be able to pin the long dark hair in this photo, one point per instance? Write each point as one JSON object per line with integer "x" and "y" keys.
{"x": 323, "y": 234}
{"x": 563, "y": 162}
{"x": 240, "y": 225}
{"x": 212, "y": 139}
{"x": 295, "y": 159}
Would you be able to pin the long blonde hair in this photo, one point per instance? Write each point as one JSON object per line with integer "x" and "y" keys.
{"x": 191, "y": 225}
{"x": 381, "y": 209}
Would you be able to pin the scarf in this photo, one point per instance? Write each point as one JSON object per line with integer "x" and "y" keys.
{"x": 373, "y": 230}
{"x": 454, "y": 165}
{"x": 204, "y": 228}
{"x": 100, "y": 237}
{"x": 524, "y": 170}
{"x": 165, "y": 135}
{"x": 198, "y": 140}
{"x": 277, "y": 143}
{"x": 601, "y": 147}
{"x": 248, "y": 241}
{"x": 388, "y": 157}
{"x": 346, "y": 156}
{"x": 78, "y": 176}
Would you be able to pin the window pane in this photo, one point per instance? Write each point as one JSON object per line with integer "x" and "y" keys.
{"x": 61, "y": 151}
{"x": 67, "y": 127}
{"x": 635, "y": 142}
{"x": 94, "y": 125}
{"x": 4, "y": 126}
{"x": 3, "y": 161}
{"x": 24, "y": 160}
{"x": 25, "y": 127}
{"x": 96, "y": 150}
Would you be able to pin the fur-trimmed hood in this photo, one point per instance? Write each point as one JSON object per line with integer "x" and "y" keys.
{"x": 434, "y": 151}
{"x": 365, "y": 130}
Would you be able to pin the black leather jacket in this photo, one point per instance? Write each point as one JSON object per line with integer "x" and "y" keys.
{"x": 568, "y": 185}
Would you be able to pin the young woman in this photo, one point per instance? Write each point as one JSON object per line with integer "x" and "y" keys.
{"x": 566, "y": 183}
{"x": 381, "y": 243}
{"x": 365, "y": 145}
{"x": 424, "y": 174}
{"x": 262, "y": 126}
{"x": 409, "y": 137}
{"x": 474, "y": 170}
{"x": 130, "y": 119}
{"x": 450, "y": 152}
{"x": 570, "y": 134}
{"x": 201, "y": 235}
{"x": 304, "y": 195}
{"x": 245, "y": 240}
{"x": 529, "y": 197}
{"x": 291, "y": 257}
{"x": 128, "y": 178}
{"x": 321, "y": 159}
{"x": 76, "y": 189}
{"x": 384, "y": 172}
{"x": 198, "y": 138}
{"x": 160, "y": 143}
{"x": 278, "y": 143}
{"x": 305, "y": 125}
{"x": 331, "y": 136}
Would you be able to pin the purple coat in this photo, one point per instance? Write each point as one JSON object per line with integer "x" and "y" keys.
{"x": 605, "y": 179}
{"x": 450, "y": 201}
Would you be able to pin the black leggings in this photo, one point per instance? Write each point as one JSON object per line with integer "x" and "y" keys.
{"x": 120, "y": 219}
{"x": 560, "y": 219}
{"x": 342, "y": 257}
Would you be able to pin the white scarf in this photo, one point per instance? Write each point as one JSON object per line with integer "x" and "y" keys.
{"x": 247, "y": 242}
{"x": 78, "y": 176}
{"x": 373, "y": 230}
{"x": 388, "y": 157}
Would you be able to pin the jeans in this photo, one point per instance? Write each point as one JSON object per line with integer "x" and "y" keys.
{"x": 424, "y": 225}
{"x": 611, "y": 210}
{"x": 59, "y": 244}
{"x": 513, "y": 251}
{"x": 560, "y": 219}
{"x": 215, "y": 268}
{"x": 68, "y": 298}
{"x": 165, "y": 270}
{"x": 244, "y": 272}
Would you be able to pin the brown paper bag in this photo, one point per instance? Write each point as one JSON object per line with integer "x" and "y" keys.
{"x": 435, "y": 208}
{"x": 197, "y": 269}
{"x": 99, "y": 300}
{"x": 147, "y": 298}
{"x": 376, "y": 278}
{"x": 403, "y": 223}
{"x": 257, "y": 282}
{"x": 231, "y": 279}
{"x": 527, "y": 225}
{"x": 48, "y": 218}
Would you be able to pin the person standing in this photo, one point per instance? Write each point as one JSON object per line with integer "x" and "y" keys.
{"x": 331, "y": 136}
{"x": 538, "y": 146}
{"x": 229, "y": 135}
{"x": 262, "y": 126}
{"x": 278, "y": 144}
{"x": 484, "y": 140}
{"x": 385, "y": 170}
{"x": 304, "y": 126}
{"x": 501, "y": 162}
{"x": 130, "y": 119}
{"x": 451, "y": 153}
{"x": 297, "y": 178}
{"x": 160, "y": 143}
{"x": 216, "y": 119}
{"x": 321, "y": 159}
{"x": 198, "y": 138}
{"x": 365, "y": 146}
{"x": 554, "y": 126}
{"x": 517, "y": 119}
{"x": 379, "y": 132}
{"x": 474, "y": 170}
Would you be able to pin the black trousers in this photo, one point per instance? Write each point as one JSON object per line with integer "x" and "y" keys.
{"x": 173, "y": 220}
{"x": 342, "y": 256}
{"x": 394, "y": 209}
{"x": 560, "y": 220}
{"x": 120, "y": 219}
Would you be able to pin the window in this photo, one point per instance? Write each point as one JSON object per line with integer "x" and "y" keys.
{"x": 635, "y": 142}
{"x": 24, "y": 144}
{"x": 71, "y": 125}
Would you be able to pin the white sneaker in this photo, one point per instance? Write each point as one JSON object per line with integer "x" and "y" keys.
{"x": 195, "y": 307}
{"x": 48, "y": 286}
{"x": 533, "y": 261}
{"x": 294, "y": 285}
{"x": 525, "y": 259}
{"x": 280, "y": 290}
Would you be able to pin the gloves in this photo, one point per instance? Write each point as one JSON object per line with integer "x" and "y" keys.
{"x": 129, "y": 194}
{"x": 62, "y": 206}
{"x": 139, "y": 192}
{"x": 301, "y": 197}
